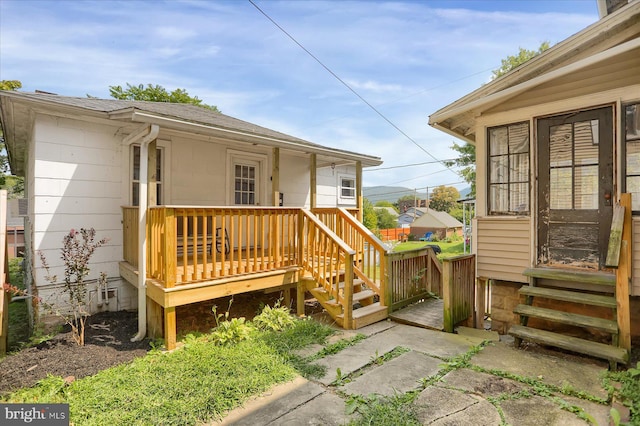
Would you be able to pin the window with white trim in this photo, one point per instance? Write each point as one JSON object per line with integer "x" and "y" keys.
{"x": 135, "y": 174}
{"x": 347, "y": 187}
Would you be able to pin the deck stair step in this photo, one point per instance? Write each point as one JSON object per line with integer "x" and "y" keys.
{"x": 602, "y": 278}
{"x": 601, "y": 324}
{"x": 574, "y": 344}
{"x": 358, "y": 297}
{"x": 366, "y": 315}
{"x": 569, "y": 296}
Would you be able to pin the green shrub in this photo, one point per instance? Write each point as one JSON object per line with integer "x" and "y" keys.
{"x": 277, "y": 318}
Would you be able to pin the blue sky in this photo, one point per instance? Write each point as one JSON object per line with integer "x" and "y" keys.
{"x": 407, "y": 59}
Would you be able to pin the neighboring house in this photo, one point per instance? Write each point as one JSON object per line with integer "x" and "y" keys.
{"x": 441, "y": 224}
{"x": 228, "y": 200}
{"x": 407, "y": 217}
{"x": 557, "y": 142}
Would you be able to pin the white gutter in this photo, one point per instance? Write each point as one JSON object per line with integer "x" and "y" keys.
{"x": 152, "y": 134}
{"x": 496, "y": 98}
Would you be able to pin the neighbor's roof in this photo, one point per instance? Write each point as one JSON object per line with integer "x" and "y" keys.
{"x": 18, "y": 106}
{"x": 611, "y": 35}
{"x": 435, "y": 219}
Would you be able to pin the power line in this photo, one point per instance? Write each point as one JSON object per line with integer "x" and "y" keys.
{"x": 404, "y": 165}
{"x": 349, "y": 87}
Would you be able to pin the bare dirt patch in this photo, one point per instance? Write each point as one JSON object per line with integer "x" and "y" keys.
{"x": 107, "y": 343}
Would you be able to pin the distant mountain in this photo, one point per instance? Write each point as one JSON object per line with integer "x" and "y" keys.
{"x": 392, "y": 193}
{"x": 389, "y": 193}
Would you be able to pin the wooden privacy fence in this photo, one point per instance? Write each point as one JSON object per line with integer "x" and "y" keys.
{"x": 413, "y": 275}
{"x": 459, "y": 290}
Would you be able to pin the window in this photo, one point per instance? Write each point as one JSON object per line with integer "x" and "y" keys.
{"x": 508, "y": 148}
{"x": 135, "y": 181}
{"x": 347, "y": 188}
{"x": 631, "y": 135}
{"x": 245, "y": 187}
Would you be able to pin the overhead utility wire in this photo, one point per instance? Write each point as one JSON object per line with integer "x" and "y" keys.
{"x": 349, "y": 87}
{"x": 403, "y": 166}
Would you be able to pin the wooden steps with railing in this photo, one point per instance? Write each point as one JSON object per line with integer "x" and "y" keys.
{"x": 601, "y": 297}
{"x": 366, "y": 310}
{"x": 561, "y": 314}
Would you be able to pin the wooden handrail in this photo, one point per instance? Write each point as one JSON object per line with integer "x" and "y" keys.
{"x": 623, "y": 276}
{"x": 370, "y": 263}
{"x": 328, "y": 259}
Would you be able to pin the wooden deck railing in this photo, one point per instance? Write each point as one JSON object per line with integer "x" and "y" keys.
{"x": 458, "y": 290}
{"x": 413, "y": 275}
{"x": 328, "y": 259}
{"x": 370, "y": 265}
{"x": 187, "y": 244}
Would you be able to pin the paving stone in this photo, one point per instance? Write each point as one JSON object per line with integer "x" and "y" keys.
{"x": 274, "y": 403}
{"x": 536, "y": 411}
{"x": 439, "y": 406}
{"x": 398, "y": 375}
{"x": 491, "y": 336}
{"x": 480, "y": 383}
{"x": 431, "y": 342}
{"x": 325, "y": 410}
{"x": 548, "y": 369}
{"x": 599, "y": 412}
{"x": 355, "y": 357}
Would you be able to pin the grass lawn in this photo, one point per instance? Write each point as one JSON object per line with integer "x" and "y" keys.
{"x": 199, "y": 382}
{"x": 448, "y": 249}
{"x": 18, "y": 310}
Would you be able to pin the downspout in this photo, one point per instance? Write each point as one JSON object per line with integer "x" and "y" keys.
{"x": 154, "y": 129}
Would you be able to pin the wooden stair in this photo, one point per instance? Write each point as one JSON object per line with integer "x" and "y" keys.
{"x": 366, "y": 310}
{"x": 602, "y": 283}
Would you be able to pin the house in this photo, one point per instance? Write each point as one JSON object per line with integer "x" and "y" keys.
{"x": 557, "y": 145}
{"x": 407, "y": 217}
{"x": 441, "y": 224}
{"x": 196, "y": 205}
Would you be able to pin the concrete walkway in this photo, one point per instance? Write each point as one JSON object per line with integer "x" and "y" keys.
{"x": 499, "y": 385}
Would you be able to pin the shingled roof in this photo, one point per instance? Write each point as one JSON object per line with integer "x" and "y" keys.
{"x": 203, "y": 118}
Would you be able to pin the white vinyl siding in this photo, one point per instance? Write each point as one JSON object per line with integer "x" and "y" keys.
{"x": 620, "y": 72}
{"x": 503, "y": 248}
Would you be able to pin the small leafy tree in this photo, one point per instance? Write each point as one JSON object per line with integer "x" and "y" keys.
{"x": 444, "y": 198}
{"x": 156, "y": 93}
{"x": 369, "y": 217}
{"x": 467, "y": 159}
{"x": 385, "y": 219}
{"x": 77, "y": 249}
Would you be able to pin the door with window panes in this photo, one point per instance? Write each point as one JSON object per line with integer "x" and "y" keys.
{"x": 246, "y": 183}
{"x": 575, "y": 188}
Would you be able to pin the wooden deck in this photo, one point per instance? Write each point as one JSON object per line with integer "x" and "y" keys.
{"x": 426, "y": 314}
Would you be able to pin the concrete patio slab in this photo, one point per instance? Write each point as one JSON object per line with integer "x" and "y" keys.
{"x": 325, "y": 410}
{"x": 439, "y": 406}
{"x": 398, "y": 375}
{"x": 536, "y": 411}
{"x": 480, "y": 383}
{"x": 553, "y": 370}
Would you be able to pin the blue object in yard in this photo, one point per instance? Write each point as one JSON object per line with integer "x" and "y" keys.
{"x": 428, "y": 236}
